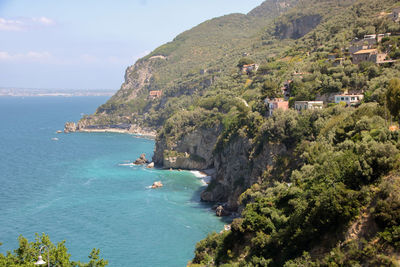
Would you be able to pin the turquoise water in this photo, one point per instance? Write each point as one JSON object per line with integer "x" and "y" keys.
{"x": 76, "y": 189}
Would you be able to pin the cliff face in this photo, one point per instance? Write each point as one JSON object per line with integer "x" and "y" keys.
{"x": 298, "y": 27}
{"x": 272, "y": 7}
{"x": 137, "y": 77}
{"x": 193, "y": 151}
{"x": 236, "y": 172}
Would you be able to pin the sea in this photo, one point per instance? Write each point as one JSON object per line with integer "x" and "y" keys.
{"x": 81, "y": 187}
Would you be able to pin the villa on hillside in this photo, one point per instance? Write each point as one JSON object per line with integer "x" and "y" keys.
{"x": 350, "y": 100}
{"x": 304, "y": 105}
{"x": 155, "y": 94}
{"x": 363, "y": 44}
{"x": 247, "y": 69}
{"x": 276, "y": 103}
{"x": 371, "y": 55}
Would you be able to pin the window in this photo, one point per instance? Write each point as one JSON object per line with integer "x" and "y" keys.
{"x": 353, "y": 98}
{"x": 342, "y": 98}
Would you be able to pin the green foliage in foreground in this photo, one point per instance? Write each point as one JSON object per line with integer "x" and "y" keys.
{"x": 345, "y": 155}
{"x": 27, "y": 254}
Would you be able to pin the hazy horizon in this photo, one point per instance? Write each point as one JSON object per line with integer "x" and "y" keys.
{"x": 75, "y": 45}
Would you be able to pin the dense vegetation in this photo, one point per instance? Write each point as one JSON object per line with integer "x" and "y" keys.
{"x": 333, "y": 200}
{"x": 27, "y": 254}
{"x": 345, "y": 156}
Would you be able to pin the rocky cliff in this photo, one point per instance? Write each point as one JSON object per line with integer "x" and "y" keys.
{"x": 193, "y": 151}
{"x": 136, "y": 77}
{"x": 236, "y": 170}
{"x": 298, "y": 27}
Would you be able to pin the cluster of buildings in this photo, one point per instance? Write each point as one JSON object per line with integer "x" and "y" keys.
{"x": 365, "y": 49}
{"x": 281, "y": 103}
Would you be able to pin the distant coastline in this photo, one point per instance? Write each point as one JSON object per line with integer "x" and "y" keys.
{"x": 31, "y": 92}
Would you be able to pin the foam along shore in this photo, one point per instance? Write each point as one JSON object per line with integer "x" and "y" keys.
{"x": 122, "y": 131}
{"x": 205, "y": 178}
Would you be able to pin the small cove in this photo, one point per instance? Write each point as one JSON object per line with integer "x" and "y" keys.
{"x": 77, "y": 188}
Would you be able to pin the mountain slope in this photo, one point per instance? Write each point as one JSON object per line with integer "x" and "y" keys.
{"x": 186, "y": 66}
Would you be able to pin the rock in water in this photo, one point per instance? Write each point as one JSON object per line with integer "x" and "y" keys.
{"x": 70, "y": 127}
{"x": 221, "y": 211}
{"x": 141, "y": 160}
{"x": 157, "y": 185}
{"x": 151, "y": 165}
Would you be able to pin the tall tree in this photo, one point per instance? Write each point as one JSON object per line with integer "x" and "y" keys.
{"x": 393, "y": 97}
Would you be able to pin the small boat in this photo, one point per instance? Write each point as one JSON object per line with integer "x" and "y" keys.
{"x": 54, "y": 139}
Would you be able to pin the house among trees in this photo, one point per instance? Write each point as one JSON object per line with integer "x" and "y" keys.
{"x": 363, "y": 44}
{"x": 276, "y": 103}
{"x": 350, "y": 100}
{"x": 155, "y": 94}
{"x": 247, "y": 69}
{"x": 304, "y": 105}
{"x": 371, "y": 55}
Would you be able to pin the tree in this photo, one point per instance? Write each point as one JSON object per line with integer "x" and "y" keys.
{"x": 27, "y": 254}
{"x": 393, "y": 97}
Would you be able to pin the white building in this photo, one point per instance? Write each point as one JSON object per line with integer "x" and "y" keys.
{"x": 350, "y": 100}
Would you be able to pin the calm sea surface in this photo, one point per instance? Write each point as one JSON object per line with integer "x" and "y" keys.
{"x": 76, "y": 189}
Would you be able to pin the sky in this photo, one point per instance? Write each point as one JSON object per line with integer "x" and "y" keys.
{"x": 88, "y": 44}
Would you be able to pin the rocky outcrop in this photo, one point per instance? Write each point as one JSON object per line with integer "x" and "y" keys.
{"x": 193, "y": 152}
{"x": 298, "y": 27}
{"x": 91, "y": 125}
{"x": 141, "y": 160}
{"x": 70, "y": 127}
{"x": 236, "y": 172}
{"x": 150, "y": 165}
{"x": 136, "y": 78}
{"x": 157, "y": 185}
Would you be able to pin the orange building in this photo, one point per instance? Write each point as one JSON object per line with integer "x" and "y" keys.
{"x": 155, "y": 94}
{"x": 276, "y": 103}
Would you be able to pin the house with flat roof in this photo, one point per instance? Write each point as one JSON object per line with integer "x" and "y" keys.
{"x": 371, "y": 55}
{"x": 276, "y": 103}
{"x": 304, "y": 105}
{"x": 350, "y": 100}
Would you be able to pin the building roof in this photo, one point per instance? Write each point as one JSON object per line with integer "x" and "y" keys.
{"x": 350, "y": 95}
{"x": 155, "y": 93}
{"x": 366, "y": 51}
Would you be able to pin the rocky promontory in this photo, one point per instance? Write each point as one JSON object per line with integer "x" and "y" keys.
{"x": 83, "y": 126}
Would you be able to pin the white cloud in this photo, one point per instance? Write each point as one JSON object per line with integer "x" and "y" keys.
{"x": 11, "y": 25}
{"x": 22, "y": 24}
{"x": 43, "y": 20}
{"x": 29, "y": 56}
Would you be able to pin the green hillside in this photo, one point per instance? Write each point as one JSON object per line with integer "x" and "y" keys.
{"x": 189, "y": 65}
{"x": 311, "y": 188}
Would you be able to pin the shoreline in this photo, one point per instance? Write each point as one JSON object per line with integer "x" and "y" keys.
{"x": 205, "y": 178}
{"x": 120, "y": 131}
